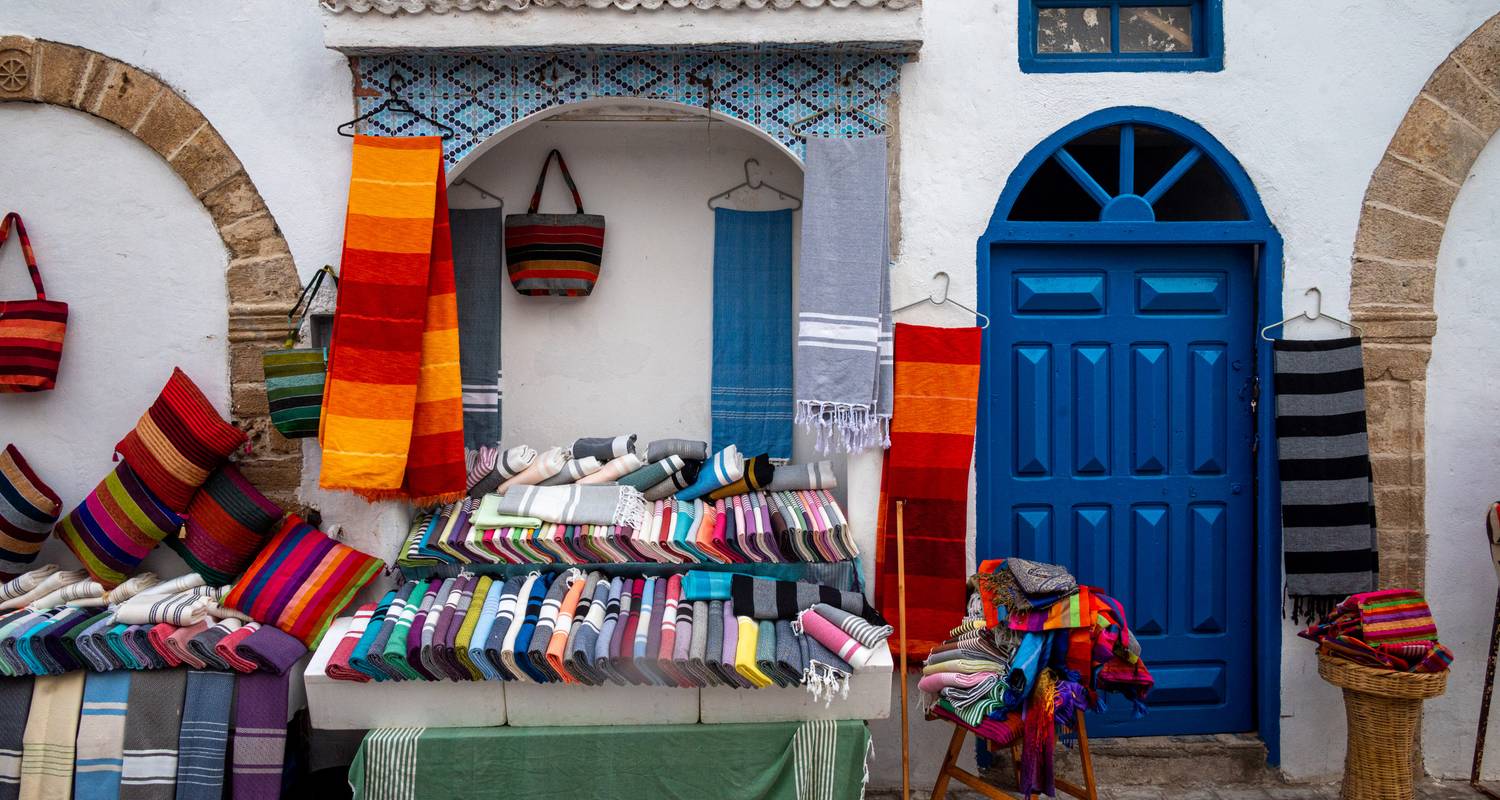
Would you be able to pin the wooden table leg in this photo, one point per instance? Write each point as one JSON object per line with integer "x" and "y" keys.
{"x": 955, "y": 746}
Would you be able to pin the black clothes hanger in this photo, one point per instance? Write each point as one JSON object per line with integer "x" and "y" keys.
{"x": 394, "y": 102}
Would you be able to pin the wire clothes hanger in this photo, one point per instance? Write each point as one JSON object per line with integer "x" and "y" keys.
{"x": 483, "y": 192}
{"x": 799, "y": 127}
{"x": 940, "y": 296}
{"x": 751, "y": 183}
{"x": 394, "y": 102}
{"x": 1315, "y": 314}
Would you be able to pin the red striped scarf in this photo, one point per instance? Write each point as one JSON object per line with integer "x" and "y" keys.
{"x": 932, "y": 445}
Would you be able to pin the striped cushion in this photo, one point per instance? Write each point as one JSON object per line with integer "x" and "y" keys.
{"x": 179, "y": 442}
{"x": 114, "y": 528}
{"x": 301, "y": 580}
{"x": 28, "y": 510}
{"x": 227, "y": 522}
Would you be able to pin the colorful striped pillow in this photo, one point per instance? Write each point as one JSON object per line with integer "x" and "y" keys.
{"x": 179, "y": 442}
{"x": 28, "y": 510}
{"x": 227, "y": 522}
{"x": 301, "y": 580}
{"x": 116, "y": 526}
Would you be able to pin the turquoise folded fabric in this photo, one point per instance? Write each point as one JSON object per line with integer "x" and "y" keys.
{"x": 699, "y": 584}
{"x": 359, "y": 659}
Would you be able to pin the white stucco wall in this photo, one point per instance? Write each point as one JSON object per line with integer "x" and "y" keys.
{"x": 1463, "y": 468}
{"x": 1309, "y": 98}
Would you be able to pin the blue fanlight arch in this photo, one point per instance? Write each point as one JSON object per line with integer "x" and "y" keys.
{"x": 1127, "y": 216}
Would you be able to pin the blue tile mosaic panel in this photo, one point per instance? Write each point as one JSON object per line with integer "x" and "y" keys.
{"x": 478, "y": 94}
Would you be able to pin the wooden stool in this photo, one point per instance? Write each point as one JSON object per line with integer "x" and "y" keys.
{"x": 1088, "y": 791}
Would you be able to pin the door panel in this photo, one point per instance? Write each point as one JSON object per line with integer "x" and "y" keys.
{"x": 1118, "y": 410}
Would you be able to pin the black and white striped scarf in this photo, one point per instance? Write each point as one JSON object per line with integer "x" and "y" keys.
{"x": 1327, "y": 496}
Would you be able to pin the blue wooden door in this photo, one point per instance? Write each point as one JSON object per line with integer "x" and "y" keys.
{"x": 1119, "y": 442}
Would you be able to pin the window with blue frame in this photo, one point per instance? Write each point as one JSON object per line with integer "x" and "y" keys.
{"x": 1121, "y": 35}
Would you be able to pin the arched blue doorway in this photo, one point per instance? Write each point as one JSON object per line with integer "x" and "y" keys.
{"x": 1124, "y": 420}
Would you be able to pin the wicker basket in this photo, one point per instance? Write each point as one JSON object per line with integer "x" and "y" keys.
{"x": 1384, "y": 709}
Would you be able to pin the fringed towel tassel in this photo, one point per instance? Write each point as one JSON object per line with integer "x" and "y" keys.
{"x": 844, "y": 427}
{"x": 1309, "y": 608}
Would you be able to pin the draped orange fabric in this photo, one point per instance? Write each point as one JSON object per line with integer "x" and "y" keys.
{"x": 392, "y": 423}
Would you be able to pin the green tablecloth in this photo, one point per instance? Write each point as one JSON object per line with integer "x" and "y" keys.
{"x": 753, "y": 761}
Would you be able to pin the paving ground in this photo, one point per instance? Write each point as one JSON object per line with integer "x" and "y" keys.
{"x": 1427, "y": 791}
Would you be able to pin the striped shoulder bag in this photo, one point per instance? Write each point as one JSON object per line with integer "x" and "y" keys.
{"x": 31, "y": 331}
{"x": 554, "y": 254}
{"x": 295, "y": 375}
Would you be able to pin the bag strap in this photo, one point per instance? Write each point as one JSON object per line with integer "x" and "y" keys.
{"x": 541, "y": 181}
{"x": 26, "y": 253}
{"x": 308, "y": 293}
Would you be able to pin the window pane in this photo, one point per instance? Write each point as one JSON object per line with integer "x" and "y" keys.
{"x": 1072, "y": 30}
{"x": 1156, "y": 29}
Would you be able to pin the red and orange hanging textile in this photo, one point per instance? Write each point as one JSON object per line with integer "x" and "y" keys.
{"x": 393, "y": 408}
{"x": 932, "y": 444}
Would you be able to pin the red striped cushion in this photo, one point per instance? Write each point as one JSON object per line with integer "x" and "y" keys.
{"x": 301, "y": 580}
{"x": 179, "y": 442}
{"x": 227, "y": 522}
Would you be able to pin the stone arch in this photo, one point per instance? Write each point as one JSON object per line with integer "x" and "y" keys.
{"x": 1401, "y": 224}
{"x": 262, "y": 279}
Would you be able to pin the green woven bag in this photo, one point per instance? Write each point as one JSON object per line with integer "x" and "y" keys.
{"x": 294, "y": 376}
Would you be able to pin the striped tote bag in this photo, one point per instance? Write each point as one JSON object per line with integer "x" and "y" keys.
{"x": 31, "y": 331}
{"x": 295, "y": 375}
{"x": 554, "y": 254}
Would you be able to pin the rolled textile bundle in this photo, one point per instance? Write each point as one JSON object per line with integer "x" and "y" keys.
{"x": 48, "y": 584}
{"x": 177, "y": 642}
{"x": 726, "y": 467}
{"x": 359, "y": 655}
{"x": 70, "y": 594}
{"x": 677, "y": 481}
{"x": 130, "y": 588}
{"x": 653, "y": 473}
{"x": 545, "y": 465}
{"x": 599, "y": 659}
{"x": 799, "y": 477}
{"x": 573, "y": 471}
{"x": 857, "y": 627}
{"x": 24, "y": 583}
{"x": 614, "y": 470}
{"x": 961, "y": 665}
{"x": 554, "y": 649}
{"x": 702, "y": 584}
{"x": 182, "y": 608}
{"x": 156, "y": 637}
{"x": 489, "y": 608}
{"x": 789, "y": 662}
{"x": 766, "y": 598}
{"x": 228, "y": 647}
{"x": 686, "y": 449}
{"x": 746, "y": 647}
{"x": 528, "y": 605}
{"x": 204, "y": 643}
{"x": 604, "y": 448}
{"x": 505, "y": 616}
{"x": 765, "y": 651}
{"x": 757, "y": 473}
{"x": 826, "y": 674}
{"x": 479, "y": 465}
{"x": 506, "y": 465}
{"x": 577, "y": 504}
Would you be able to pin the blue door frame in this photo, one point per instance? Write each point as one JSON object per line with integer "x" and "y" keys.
{"x": 1128, "y": 229}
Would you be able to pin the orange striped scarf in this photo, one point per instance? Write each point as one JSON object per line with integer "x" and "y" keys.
{"x": 392, "y": 408}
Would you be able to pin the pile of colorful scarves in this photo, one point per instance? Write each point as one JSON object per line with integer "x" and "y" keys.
{"x": 692, "y": 629}
{"x": 1034, "y": 650}
{"x": 1387, "y": 629}
{"x": 755, "y": 527}
{"x": 53, "y": 622}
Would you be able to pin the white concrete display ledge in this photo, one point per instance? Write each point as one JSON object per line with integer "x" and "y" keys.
{"x": 345, "y": 705}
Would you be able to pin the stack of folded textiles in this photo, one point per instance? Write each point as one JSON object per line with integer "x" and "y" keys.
{"x": 1034, "y": 650}
{"x": 613, "y": 524}
{"x": 1388, "y": 629}
{"x": 53, "y": 622}
{"x": 689, "y": 629}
